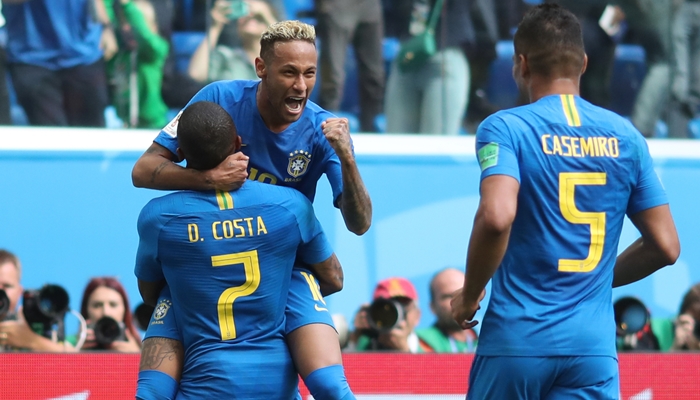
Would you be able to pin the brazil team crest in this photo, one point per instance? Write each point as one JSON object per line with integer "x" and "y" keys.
{"x": 162, "y": 309}
{"x": 298, "y": 163}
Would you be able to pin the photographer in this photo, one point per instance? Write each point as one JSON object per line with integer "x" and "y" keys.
{"x": 392, "y": 330}
{"x": 686, "y": 329}
{"x": 105, "y": 308}
{"x": 15, "y": 333}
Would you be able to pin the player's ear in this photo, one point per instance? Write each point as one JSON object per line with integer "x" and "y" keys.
{"x": 260, "y": 67}
{"x": 239, "y": 143}
{"x": 585, "y": 63}
{"x": 180, "y": 154}
{"x": 524, "y": 66}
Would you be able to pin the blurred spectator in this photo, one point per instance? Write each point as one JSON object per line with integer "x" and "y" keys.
{"x": 106, "y": 297}
{"x": 15, "y": 333}
{"x": 686, "y": 331}
{"x": 685, "y": 88}
{"x": 649, "y": 25}
{"x": 433, "y": 98}
{"x": 212, "y": 62}
{"x": 446, "y": 336}
{"x": 600, "y": 48}
{"x": 4, "y": 94}
{"x": 392, "y": 328}
{"x": 55, "y": 51}
{"x": 342, "y": 22}
{"x": 136, "y": 72}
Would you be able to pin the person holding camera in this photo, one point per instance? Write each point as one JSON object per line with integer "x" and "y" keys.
{"x": 687, "y": 325}
{"x": 388, "y": 323}
{"x": 105, "y": 307}
{"x": 15, "y": 333}
{"x": 445, "y": 335}
{"x": 214, "y": 61}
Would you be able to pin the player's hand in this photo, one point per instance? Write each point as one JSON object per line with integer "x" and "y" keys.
{"x": 230, "y": 174}
{"x": 337, "y": 133}
{"x": 463, "y": 311}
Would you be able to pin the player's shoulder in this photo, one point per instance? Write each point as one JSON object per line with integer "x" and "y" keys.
{"x": 230, "y": 92}
{"x": 501, "y": 121}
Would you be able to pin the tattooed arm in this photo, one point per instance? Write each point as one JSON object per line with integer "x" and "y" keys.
{"x": 164, "y": 355}
{"x": 157, "y": 169}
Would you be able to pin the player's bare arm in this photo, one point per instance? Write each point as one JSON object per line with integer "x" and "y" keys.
{"x": 157, "y": 169}
{"x": 658, "y": 247}
{"x": 162, "y": 354}
{"x": 488, "y": 243}
{"x": 329, "y": 274}
{"x": 354, "y": 202}
{"x": 150, "y": 291}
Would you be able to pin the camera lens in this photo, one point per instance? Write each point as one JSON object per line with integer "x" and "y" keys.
{"x": 53, "y": 300}
{"x": 107, "y": 330}
{"x": 384, "y": 314}
{"x": 4, "y": 304}
{"x": 630, "y": 315}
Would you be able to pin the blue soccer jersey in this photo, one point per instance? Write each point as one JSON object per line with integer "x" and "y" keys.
{"x": 581, "y": 169}
{"x": 228, "y": 258}
{"x": 296, "y": 157}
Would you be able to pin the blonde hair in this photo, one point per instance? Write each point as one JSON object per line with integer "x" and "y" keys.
{"x": 285, "y": 31}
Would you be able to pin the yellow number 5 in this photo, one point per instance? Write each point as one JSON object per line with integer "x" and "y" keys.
{"x": 567, "y": 191}
{"x": 249, "y": 259}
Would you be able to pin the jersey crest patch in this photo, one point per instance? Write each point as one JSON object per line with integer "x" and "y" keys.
{"x": 488, "y": 156}
{"x": 171, "y": 128}
{"x": 298, "y": 163}
{"x": 162, "y": 309}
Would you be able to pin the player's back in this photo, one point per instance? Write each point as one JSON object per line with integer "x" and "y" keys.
{"x": 580, "y": 169}
{"x": 227, "y": 258}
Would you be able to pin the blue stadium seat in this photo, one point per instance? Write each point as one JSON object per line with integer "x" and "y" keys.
{"x": 380, "y": 123}
{"x": 302, "y": 10}
{"x": 390, "y": 47}
{"x": 17, "y": 114}
{"x": 628, "y": 73}
{"x": 184, "y": 44}
{"x": 112, "y": 120}
{"x": 694, "y": 128}
{"x": 501, "y": 89}
{"x": 661, "y": 130}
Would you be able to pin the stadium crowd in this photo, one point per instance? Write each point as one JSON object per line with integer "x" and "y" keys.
{"x": 136, "y": 63}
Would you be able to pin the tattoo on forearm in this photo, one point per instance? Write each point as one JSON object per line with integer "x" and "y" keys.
{"x": 157, "y": 350}
{"x": 156, "y": 172}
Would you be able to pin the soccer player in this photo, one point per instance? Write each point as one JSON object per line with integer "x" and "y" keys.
{"x": 558, "y": 176}
{"x": 227, "y": 258}
{"x": 291, "y": 142}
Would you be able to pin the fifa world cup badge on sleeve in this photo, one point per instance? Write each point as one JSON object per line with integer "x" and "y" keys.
{"x": 161, "y": 311}
{"x": 171, "y": 128}
{"x": 488, "y": 156}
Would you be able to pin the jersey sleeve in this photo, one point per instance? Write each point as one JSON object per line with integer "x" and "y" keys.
{"x": 495, "y": 149}
{"x": 648, "y": 191}
{"x": 148, "y": 267}
{"x": 314, "y": 246}
{"x": 168, "y": 135}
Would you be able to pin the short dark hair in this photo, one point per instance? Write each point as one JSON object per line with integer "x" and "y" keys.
{"x": 690, "y": 299}
{"x": 206, "y": 134}
{"x": 549, "y": 36}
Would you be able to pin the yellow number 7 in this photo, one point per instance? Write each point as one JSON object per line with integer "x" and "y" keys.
{"x": 567, "y": 204}
{"x": 249, "y": 259}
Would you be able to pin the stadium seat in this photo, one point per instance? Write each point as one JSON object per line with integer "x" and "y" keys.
{"x": 629, "y": 70}
{"x": 661, "y": 130}
{"x": 184, "y": 44}
{"x": 501, "y": 89}
{"x": 351, "y": 93}
{"x": 694, "y": 128}
{"x": 112, "y": 120}
{"x": 380, "y": 123}
{"x": 302, "y": 10}
{"x": 390, "y": 47}
{"x": 17, "y": 114}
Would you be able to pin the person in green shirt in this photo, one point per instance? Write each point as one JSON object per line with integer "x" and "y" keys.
{"x": 138, "y": 30}
{"x": 445, "y": 335}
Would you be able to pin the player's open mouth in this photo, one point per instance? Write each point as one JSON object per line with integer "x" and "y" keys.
{"x": 294, "y": 104}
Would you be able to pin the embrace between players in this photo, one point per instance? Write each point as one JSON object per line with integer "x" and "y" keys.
{"x": 242, "y": 311}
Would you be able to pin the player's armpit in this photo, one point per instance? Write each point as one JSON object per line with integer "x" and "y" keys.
{"x": 164, "y": 355}
{"x": 150, "y": 291}
{"x": 329, "y": 274}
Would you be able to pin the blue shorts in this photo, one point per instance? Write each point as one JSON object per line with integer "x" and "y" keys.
{"x": 305, "y": 305}
{"x": 545, "y": 378}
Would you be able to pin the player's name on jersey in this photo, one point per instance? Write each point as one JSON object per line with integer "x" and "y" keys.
{"x": 229, "y": 229}
{"x": 571, "y": 146}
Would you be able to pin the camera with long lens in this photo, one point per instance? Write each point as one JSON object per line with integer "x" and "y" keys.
{"x": 632, "y": 318}
{"x": 107, "y": 331}
{"x": 4, "y": 305}
{"x": 44, "y": 309}
{"x": 384, "y": 315}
